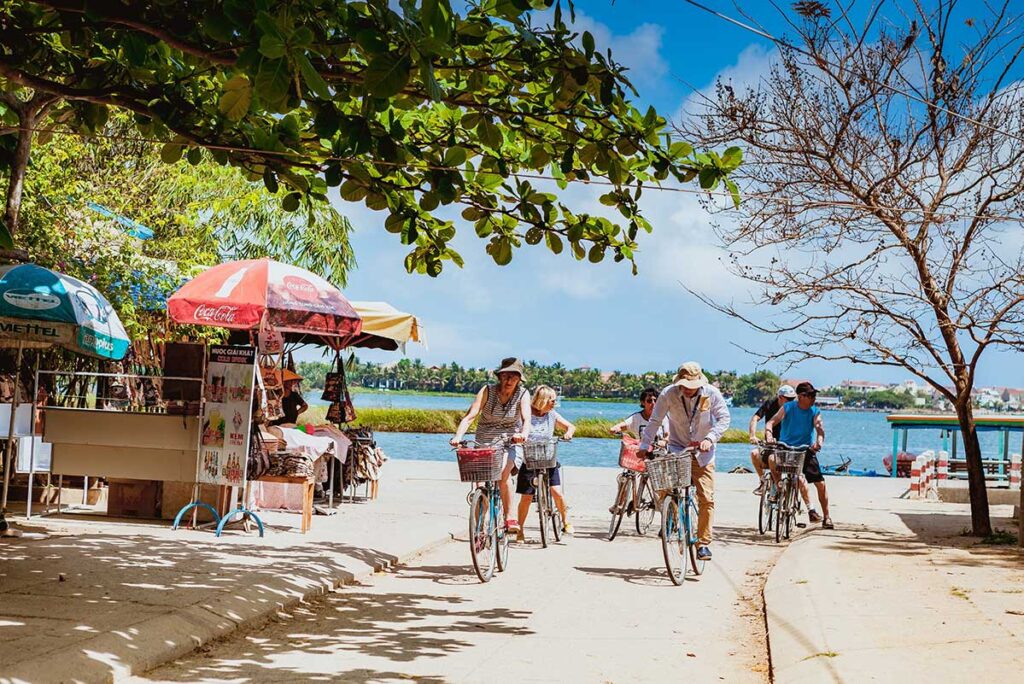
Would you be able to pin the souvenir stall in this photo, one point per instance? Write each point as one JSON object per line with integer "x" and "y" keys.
{"x": 264, "y": 302}
{"x": 40, "y": 308}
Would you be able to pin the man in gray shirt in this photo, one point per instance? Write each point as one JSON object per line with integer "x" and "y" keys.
{"x": 697, "y": 417}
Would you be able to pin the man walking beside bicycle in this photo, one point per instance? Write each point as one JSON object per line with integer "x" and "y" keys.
{"x": 802, "y": 425}
{"x": 697, "y": 417}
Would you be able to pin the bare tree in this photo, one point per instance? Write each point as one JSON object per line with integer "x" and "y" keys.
{"x": 884, "y": 166}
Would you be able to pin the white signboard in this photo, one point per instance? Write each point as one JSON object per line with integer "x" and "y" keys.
{"x": 227, "y": 415}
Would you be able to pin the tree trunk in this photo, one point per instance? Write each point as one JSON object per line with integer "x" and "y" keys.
{"x": 19, "y": 164}
{"x": 981, "y": 525}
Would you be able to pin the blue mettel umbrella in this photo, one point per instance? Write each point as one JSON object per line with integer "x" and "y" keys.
{"x": 42, "y": 308}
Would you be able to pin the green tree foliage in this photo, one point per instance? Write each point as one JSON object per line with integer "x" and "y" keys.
{"x": 405, "y": 106}
{"x": 747, "y": 390}
{"x": 200, "y": 215}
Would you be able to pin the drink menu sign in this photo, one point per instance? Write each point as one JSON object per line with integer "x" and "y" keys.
{"x": 227, "y": 411}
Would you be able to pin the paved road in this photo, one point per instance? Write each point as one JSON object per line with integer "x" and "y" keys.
{"x": 585, "y": 611}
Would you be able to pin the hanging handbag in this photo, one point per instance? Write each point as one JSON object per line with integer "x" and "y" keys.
{"x": 334, "y": 413}
{"x": 333, "y": 381}
{"x": 270, "y": 339}
{"x": 258, "y": 462}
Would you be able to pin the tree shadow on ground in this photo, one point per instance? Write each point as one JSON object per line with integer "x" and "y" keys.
{"x": 317, "y": 640}
{"x": 929, "y": 532}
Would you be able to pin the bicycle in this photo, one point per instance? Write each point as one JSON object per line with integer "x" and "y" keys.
{"x": 635, "y": 496}
{"x": 540, "y": 456}
{"x": 488, "y": 539}
{"x": 789, "y": 462}
{"x": 671, "y": 473}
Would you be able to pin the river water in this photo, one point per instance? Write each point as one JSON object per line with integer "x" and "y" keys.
{"x": 862, "y": 436}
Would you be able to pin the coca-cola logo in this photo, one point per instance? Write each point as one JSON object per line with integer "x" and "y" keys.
{"x": 300, "y": 288}
{"x": 215, "y": 314}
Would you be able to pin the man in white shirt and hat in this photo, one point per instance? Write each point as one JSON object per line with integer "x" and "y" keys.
{"x": 697, "y": 417}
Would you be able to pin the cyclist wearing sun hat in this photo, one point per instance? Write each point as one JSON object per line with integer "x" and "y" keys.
{"x": 802, "y": 425}
{"x": 697, "y": 417}
{"x": 504, "y": 412}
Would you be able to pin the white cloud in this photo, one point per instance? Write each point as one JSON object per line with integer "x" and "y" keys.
{"x": 752, "y": 64}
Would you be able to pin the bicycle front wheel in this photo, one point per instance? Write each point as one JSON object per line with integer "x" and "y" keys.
{"x": 780, "y": 509}
{"x": 645, "y": 506}
{"x": 540, "y": 493}
{"x": 621, "y": 502}
{"x": 790, "y": 509}
{"x": 481, "y": 535}
{"x": 673, "y": 540}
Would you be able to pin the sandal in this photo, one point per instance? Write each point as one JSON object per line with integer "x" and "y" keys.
{"x": 512, "y": 525}
{"x": 826, "y": 524}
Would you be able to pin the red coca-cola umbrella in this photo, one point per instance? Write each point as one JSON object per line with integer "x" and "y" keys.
{"x": 239, "y": 294}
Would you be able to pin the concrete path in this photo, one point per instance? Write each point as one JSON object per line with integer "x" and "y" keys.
{"x": 896, "y": 593}
{"x": 584, "y": 611}
{"x": 101, "y": 599}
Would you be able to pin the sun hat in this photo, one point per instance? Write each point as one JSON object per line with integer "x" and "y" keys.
{"x": 288, "y": 375}
{"x": 787, "y": 391}
{"x": 806, "y": 388}
{"x": 690, "y": 376}
{"x": 510, "y": 365}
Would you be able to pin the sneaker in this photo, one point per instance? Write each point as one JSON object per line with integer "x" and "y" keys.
{"x": 703, "y": 553}
{"x": 760, "y": 489}
{"x": 520, "y": 537}
{"x": 827, "y": 524}
{"x": 773, "y": 496}
{"x": 512, "y": 525}
{"x": 614, "y": 509}
{"x": 813, "y": 516}
{"x": 567, "y": 529}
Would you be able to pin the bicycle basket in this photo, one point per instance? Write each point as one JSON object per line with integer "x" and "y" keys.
{"x": 790, "y": 461}
{"x": 628, "y": 458}
{"x": 670, "y": 472}
{"x": 540, "y": 454}
{"x": 483, "y": 464}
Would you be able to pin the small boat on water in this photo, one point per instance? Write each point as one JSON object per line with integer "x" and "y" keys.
{"x": 904, "y": 462}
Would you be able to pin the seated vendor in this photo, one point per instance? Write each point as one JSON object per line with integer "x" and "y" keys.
{"x": 292, "y": 402}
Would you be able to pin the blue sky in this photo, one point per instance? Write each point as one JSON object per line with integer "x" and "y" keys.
{"x": 550, "y": 308}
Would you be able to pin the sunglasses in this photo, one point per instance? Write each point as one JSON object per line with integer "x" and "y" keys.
{"x": 808, "y": 394}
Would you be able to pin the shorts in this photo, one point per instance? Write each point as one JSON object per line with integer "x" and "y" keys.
{"x": 514, "y": 453}
{"x": 812, "y": 470}
{"x": 524, "y": 481}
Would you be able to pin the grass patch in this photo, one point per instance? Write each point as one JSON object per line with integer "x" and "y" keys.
{"x": 1000, "y": 538}
{"x": 961, "y": 593}
{"x": 444, "y": 421}
{"x": 823, "y": 654}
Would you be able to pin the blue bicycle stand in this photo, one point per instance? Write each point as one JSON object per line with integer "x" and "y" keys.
{"x": 242, "y": 511}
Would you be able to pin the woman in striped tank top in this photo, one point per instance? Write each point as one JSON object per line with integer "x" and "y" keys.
{"x": 502, "y": 410}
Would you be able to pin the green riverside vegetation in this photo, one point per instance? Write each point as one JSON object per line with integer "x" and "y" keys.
{"x": 445, "y": 421}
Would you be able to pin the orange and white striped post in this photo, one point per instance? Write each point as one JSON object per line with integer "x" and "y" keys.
{"x": 1015, "y": 471}
{"x": 915, "y": 477}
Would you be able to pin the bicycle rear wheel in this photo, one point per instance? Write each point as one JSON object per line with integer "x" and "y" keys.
{"x": 673, "y": 540}
{"x": 481, "y": 535}
{"x": 501, "y": 535}
{"x": 646, "y": 505}
{"x": 540, "y": 494}
{"x": 621, "y": 501}
{"x": 764, "y": 511}
{"x": 691, "y": 521}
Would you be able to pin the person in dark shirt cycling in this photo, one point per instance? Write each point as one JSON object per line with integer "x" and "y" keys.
{"x": 759, "y": 458}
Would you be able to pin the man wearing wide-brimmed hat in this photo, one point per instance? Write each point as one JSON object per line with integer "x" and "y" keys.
{"x": 697, "y": 417}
